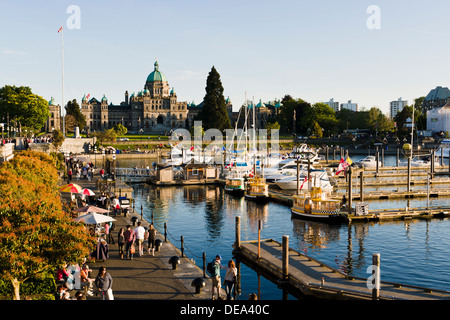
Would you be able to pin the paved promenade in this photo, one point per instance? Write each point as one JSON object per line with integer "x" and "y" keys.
{"x": 147, "y": 277}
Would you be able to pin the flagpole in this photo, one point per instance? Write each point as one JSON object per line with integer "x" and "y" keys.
{"x": 62, "y": 62}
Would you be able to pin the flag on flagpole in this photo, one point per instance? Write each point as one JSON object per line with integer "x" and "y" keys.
{"x": 60, "y": 29}
{"x": 87, "y": 97}
{"x": 342, "y": 165}
{"x": 349, "y": 161}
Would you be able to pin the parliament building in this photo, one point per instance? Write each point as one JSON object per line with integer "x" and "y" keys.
{"x": 154, "y": 109}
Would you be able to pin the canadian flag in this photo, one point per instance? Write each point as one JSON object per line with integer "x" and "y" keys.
{"x": 342, "y": 165}
{"x": 87, "y": 97}
{"x": 60, "y": 29}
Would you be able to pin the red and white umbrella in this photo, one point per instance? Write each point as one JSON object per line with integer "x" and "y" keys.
{"x": 87, "y": 192}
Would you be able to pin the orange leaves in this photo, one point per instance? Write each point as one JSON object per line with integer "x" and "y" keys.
{"x": 35, "y": 233}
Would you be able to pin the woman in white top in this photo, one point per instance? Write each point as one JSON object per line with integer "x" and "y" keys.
{"x": 230, "y": 279}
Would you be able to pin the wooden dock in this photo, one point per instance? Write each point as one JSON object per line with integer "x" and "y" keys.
{"x": 308, "y": 277}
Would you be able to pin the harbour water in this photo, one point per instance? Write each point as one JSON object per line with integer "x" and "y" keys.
{"x": 414, "y": 252}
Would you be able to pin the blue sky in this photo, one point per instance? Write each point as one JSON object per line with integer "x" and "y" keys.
{"x": 314, "y": 50}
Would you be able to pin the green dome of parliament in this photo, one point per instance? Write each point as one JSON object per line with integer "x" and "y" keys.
{"x": 156, "y": 75}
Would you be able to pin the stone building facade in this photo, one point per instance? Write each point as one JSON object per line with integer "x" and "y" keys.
{"x": 54, "y": 120}
{"x": 153, "y": 109}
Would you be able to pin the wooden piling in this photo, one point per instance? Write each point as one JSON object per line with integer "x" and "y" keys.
{"x": 285, "y": 263}
{"x": 350, "y": 196}
{"x": 376, "y": 276}
{"x": 238, "y": 232}
{"x": 361, "y": 186}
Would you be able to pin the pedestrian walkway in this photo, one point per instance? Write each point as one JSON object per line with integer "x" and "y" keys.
{"x": 147, "y": 277}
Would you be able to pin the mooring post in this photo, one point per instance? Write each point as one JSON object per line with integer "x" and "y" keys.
{"x": 165, "y": 231}
{"x": 285, "y": 257}
{"x": 433, "y": 154}
{"x": 377, "y": 157}
{"x": 182, "y": 246}
{"x": 238, "y": 233}
{"x": 398, "y": 156}
{"x": 361, "y": 186}
{"x": 326, "y": 158}
{"x": 349, "y": 173}
{"x": 375, "y": 276}
{"x": 382, "y": 157}
{"x": 409, "y": 175}
{"x": 259, "y": 239}
{"x": 204, "y": 264}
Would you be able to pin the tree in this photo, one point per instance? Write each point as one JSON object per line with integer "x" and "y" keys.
{"x": 379, "y": 122}
{"x": 73, "y": 109}
{"x": 301, "y": 109}
{"x": 214, "y": 112}
{"x": 21, "y": 104}
{"x": 36, "y": 235}
{"x": 58, "y": 138}
{"x": 120, "y": 129}
{"x": 106, "y": 135}
{"x": 272, "y": 126}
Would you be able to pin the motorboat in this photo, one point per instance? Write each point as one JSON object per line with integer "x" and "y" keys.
{"x": 369, "y": 162}
{"x": 235, "y": 183}
{"x": 444, "y": 148}
{"x": 257, "y": 189}
{"x": 316, "y": 205}
{"x": 275, "y": 174}
{"x": 319, "y": 178}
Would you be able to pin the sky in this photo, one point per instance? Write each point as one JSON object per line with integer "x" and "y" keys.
{"x": 313, "y": 50}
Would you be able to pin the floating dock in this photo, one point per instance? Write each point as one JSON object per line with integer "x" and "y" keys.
{"x": 308, "y": 277}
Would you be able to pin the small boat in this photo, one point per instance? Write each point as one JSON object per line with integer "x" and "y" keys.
{"x": 319, "y": 178}
{"x": 315, "y": 205}
{"x": 257, "y": 189}
{"x": 235, "y": 183}
{"x": 369, "y": 162}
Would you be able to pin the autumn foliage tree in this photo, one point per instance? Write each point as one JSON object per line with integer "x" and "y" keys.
{"x": 36, "y": 235}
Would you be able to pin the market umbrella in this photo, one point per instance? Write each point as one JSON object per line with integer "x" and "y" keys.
{"x": 87, "y": 192}
{"x": 94, "y": 218}
{"x": 71, "y": 187}
{"x": 92, "y": 209}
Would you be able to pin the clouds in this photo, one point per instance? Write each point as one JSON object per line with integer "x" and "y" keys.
{"x": 12, "y": 52}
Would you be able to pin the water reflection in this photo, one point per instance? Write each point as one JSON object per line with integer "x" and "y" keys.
{"x": 412, "y": 251}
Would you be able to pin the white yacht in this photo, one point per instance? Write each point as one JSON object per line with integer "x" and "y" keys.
{"x": 319, "y": 178}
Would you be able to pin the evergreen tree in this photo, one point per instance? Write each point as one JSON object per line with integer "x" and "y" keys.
{"x": 214, "y": 112}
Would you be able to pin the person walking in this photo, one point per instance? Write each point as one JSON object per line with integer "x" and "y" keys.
{"x": 230, "y": 279}
{"x": 130, "y": 238}
{"x": 151, "y": 239}
{"x": 121, "y": 242}
{"x": 104, "y": 282}
{"x": 140, "y": 236}
{"x": 216, "y": 277}
{"x": 69, "y": 174}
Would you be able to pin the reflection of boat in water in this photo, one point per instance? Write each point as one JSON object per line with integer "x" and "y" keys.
{"x": 257, "y": 189}
{"x": 316, "y": 205}
{"x": 235, "y": 183}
